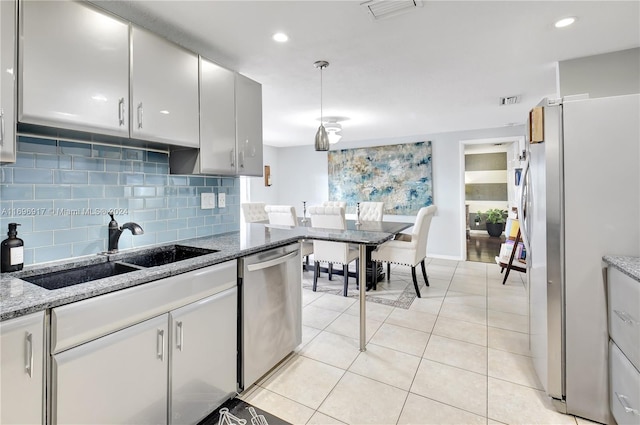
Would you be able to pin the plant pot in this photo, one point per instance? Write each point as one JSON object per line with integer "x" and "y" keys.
{"x": 495, "y": 229}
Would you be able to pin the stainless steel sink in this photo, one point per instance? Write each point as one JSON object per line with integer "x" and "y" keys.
{"x": 124, "y": 264}
{"x": 70, "y": 277}
{"x": 165, "y": 255}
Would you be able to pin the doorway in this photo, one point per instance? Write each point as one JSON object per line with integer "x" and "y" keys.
{"x": 488, "y": 183}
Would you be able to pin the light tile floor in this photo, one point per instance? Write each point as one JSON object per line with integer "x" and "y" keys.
{"x": 458, "y": 355}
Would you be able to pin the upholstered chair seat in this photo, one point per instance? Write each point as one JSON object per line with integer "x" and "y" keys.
{"x": 332, "y": 252}
{"x": 409, "y": 250}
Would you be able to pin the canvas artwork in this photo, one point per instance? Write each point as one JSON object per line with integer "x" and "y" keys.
{"x": 398, "y": 175}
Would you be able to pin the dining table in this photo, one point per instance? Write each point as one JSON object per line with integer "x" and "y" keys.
{"x": 367, "y": 235}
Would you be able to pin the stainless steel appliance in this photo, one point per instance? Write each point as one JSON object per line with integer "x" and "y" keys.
{"x": 581, "y": 200}
{"x": 271, "y": 309}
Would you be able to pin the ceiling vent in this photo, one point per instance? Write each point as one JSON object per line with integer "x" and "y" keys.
{"x": 510, "y": 100}
{"x": 380, "y": 9}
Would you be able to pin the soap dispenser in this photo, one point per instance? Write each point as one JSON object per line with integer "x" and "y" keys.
{"x": 12, "y": 251}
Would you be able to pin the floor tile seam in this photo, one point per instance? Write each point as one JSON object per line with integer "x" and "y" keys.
{"x": 271, "y": 372}
{"x": 494, "y": 327}
{"x": 395, "y": 349}
{"x": 447, "y": 404}
{"x": 520, "y": 385}
{"x": 512, "y": 382}
{"x": 454, "y": 366}
{"x": 325, "y": 363}
{"x": 462, "y": 320}
{"x": 382, "y": 382}
{"x": 290, "y": 399}
{"x": 504, "y": 328}
{"x": 460, "y": 340}
{"x": 407, "y": 327}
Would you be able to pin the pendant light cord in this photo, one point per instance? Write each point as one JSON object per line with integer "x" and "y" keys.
{"x": 321, "y": 119}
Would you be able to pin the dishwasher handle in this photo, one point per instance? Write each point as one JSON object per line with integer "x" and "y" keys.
{"x": 271, "y": 263}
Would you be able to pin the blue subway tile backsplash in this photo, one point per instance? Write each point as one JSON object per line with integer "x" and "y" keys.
{"x": 60, "y": 193}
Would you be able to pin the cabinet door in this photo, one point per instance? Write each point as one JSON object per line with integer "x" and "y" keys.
{"x": 249, "y": 126}
{"x": 164, "y": 91}
{"x": 8, "y": 18}
{"x": 218, "y": 153}
{"x": 120, "y": 378}
{"x": 21, "y": 376}
{"x": 74, "y": 67}
{"x": 203, "y": 356}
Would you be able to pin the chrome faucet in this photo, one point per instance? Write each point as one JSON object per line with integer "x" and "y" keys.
{"x": 115, "y": 231}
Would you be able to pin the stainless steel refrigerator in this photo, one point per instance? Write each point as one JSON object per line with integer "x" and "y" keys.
{"x": 581, "y": 200}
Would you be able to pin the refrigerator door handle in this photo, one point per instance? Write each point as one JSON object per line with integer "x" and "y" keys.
{"x": 524, "y": 194}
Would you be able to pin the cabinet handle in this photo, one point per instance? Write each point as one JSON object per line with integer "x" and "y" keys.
{"x": 242, "y": 159}
{"x": 121, "y": 111}
{"x": 233, "y": 157}
{"x": 28, "y": 345}
{"x": 628, "y": 409}
{"x": 160, "y": 341}
{"x": 180, "y": 336}
{"x": 625, "y": 317}
{"x": 140, "y": 115}
{"x": 1, "y": 126}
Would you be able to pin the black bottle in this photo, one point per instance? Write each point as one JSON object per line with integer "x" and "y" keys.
{"x": 12, "y": 251}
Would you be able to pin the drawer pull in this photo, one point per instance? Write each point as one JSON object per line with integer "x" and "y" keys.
{"x": 180, "y": 336}
{"x": 160, "y": 345}
{"x": 28, "y": 341}
{"x": 626, "y": 317}
{"x": 623, "y": 400}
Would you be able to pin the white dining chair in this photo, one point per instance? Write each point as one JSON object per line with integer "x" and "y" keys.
{"x": 332, "y": 252}
{"x": 408, "y": 250}
{"x": 285, "y": 215}
{"x": 339, "y": 204}
{"x": 254, "y": 212}
{"x": 371, "y": 211}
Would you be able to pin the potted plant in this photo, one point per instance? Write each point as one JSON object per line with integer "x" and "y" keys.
{"x": 495, "y": 220}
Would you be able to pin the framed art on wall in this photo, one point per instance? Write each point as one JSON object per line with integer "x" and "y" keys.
{"x": 398, "y": 175}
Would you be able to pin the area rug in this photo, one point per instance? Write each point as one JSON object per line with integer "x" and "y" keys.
{"x": 399, "y": 292}
{"x": 239, "y": 412}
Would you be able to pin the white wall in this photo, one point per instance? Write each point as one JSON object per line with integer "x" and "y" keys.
{"x": 303, "y": 176}
{"x": 609, "y": 74}
{"x": 258, "y": 192}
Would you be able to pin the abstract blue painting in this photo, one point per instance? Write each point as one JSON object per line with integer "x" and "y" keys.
{"x": 398, "y": 175}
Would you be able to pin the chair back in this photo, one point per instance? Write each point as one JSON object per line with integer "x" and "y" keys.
{"x": 284, "y": 215}
{"x": 254, "y": 211}
{"x": 340, "y": 204}
{"x": 421, "y": 230}
{"x": 371, "y": 211}
{"x": 329, "y": 218}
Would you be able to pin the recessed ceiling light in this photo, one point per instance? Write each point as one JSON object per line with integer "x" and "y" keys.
{"x": 280, "y": 37}
{"x": 565, "y": 22}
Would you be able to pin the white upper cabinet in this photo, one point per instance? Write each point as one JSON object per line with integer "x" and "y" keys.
{"x": 8, "y": 18}
{"x": 230, "y": 126}
{"x": 164, "y": 90}
{"x": 74, "y": 68}
{"x": 218, "y": 153}
{"x": 249, "y": 126}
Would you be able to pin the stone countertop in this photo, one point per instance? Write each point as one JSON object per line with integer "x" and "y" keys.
{"x": 627, "y": 265}
{"x": 19, "y": 297}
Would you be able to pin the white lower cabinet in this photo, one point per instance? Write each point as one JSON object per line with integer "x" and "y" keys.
{"x": 21, "y": 372}
{"x": 624, "y": 388}
{"x": 120, "y": 378}
{"x": 203, "y": 345}
{"x": 162, "y": 352}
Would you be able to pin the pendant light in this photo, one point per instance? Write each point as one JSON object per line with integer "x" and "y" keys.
{"x": 322, "y": 138}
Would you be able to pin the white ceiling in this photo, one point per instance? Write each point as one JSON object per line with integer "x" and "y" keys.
{"x": 440, "y": 68}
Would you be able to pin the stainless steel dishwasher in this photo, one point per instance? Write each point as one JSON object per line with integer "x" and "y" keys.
{"x": 271, "y": 310}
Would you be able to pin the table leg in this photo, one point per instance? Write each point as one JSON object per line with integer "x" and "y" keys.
{"x": 363, "y": 296}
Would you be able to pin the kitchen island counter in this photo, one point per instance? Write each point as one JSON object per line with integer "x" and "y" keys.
{"x": 627, "y": 265}
{"x": 19, "y": 297}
